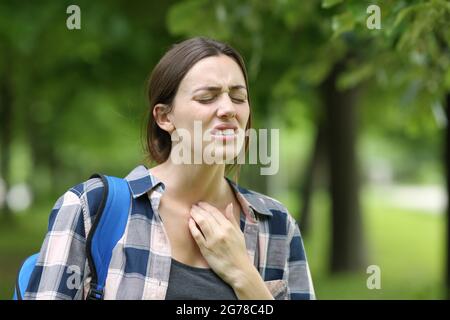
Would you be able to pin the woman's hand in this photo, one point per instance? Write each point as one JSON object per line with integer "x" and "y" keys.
{"x": 221, "y": 241}
{"x": 222, "y": 244}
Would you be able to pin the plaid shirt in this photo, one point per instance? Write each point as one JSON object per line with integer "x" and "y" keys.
{"x": 140, "y": 263}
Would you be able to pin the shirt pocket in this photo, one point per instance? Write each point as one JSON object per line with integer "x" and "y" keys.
{"x": 278, "y": 288}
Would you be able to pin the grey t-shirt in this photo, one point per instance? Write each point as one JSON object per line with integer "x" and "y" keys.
{"x": 192, "y": 283}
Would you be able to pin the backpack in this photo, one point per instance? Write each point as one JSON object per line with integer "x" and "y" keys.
{"x": 107, "y": 229}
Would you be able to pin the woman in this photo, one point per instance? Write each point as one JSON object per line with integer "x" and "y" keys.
{"x": 192, "y": 233}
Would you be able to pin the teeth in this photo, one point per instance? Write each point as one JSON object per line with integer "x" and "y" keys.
{"x": 226, "y": 132}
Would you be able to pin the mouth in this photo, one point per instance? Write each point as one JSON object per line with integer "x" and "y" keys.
{"x": 224, "y": 135}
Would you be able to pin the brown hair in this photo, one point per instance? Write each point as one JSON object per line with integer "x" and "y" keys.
{"x": 165, "y": 80}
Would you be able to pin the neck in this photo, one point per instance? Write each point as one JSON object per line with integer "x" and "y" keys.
{"x": 190, "y": 183}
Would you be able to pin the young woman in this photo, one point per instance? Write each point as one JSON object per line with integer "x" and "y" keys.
{"x": 192, "y": 233}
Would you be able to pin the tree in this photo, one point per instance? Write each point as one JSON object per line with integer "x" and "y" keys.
{"x": 412, "y": 49}
{"x": 61, "y": 97}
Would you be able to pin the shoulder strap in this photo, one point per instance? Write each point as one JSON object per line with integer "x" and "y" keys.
{"x": 107, "y": 229}
{"x": 24, "y": 275}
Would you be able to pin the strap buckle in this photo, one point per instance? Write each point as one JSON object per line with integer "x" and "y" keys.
{"x": 95, "y": 293}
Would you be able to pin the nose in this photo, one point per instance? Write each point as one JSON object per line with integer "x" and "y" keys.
{"x": 226, "y": 108}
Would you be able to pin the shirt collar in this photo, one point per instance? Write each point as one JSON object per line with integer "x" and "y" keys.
{"x": 254, "y": 200}
{"x": 141, "y": 181}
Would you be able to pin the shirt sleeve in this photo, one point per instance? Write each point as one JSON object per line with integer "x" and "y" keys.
{"x": 300, "y": 286}
{"x": 62, "y": 263}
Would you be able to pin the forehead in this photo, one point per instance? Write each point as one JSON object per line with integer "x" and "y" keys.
{"x": 216, "y": 70}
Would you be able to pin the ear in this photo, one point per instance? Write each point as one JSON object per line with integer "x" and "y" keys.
{"x": 162, "y": 117}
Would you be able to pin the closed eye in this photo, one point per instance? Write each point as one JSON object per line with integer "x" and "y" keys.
{"x": 238, "y": 100}
{"x": 206, "y": 100}
{"x": 238, "y": 97}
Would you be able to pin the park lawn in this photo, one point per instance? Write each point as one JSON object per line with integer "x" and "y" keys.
{"x": 407, "y": 246}
{"x": 19, "y": 239}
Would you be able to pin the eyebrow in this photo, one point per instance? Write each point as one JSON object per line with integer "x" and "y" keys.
{"x": 214, "y": 88}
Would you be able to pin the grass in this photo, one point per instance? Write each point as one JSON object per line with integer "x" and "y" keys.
{"x": 408, "y": 246}
{"x": 20, "y": 238}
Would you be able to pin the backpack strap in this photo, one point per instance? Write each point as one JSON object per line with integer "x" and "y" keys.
{"x": 24, "y": 275}
{"x": 107, "y": 229}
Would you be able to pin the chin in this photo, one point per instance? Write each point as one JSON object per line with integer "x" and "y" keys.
{"x": 221, "y": 155}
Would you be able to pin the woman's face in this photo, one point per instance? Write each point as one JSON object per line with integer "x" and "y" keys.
{"x": 211, "y": 105}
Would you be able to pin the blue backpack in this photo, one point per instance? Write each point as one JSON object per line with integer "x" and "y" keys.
{"x": 107, "y": 229}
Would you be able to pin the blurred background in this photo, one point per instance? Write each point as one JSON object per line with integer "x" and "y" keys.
{"x": 362, "y": 113}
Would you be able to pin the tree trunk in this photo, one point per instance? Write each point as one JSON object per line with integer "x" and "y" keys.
{"x": 347, "y": 248}
{"x": 310, "y": 175}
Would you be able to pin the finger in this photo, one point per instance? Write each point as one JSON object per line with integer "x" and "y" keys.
{"x": 203, "y": 221}
{"x": 229, "y": 214}
{"x": 196, "y": 233}
{"x": 213, "y": 211}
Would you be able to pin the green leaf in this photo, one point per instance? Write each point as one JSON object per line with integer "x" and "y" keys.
{"x": 447, "y": 80}
{"x": 342, "y": 23}
{"x": 330, "y": 3}
{"x": 353, "y": 77}
{"x": 403, "y": 14}
{"x": 198, "y": 17}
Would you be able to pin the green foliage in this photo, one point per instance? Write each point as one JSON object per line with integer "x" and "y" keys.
{"x": 330, "y": 3}
{"x": 183, "y": 19}
{"x": 343, "y": 22}
{"x": 412, "y": 44}
{"x": 79, "y": 95}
